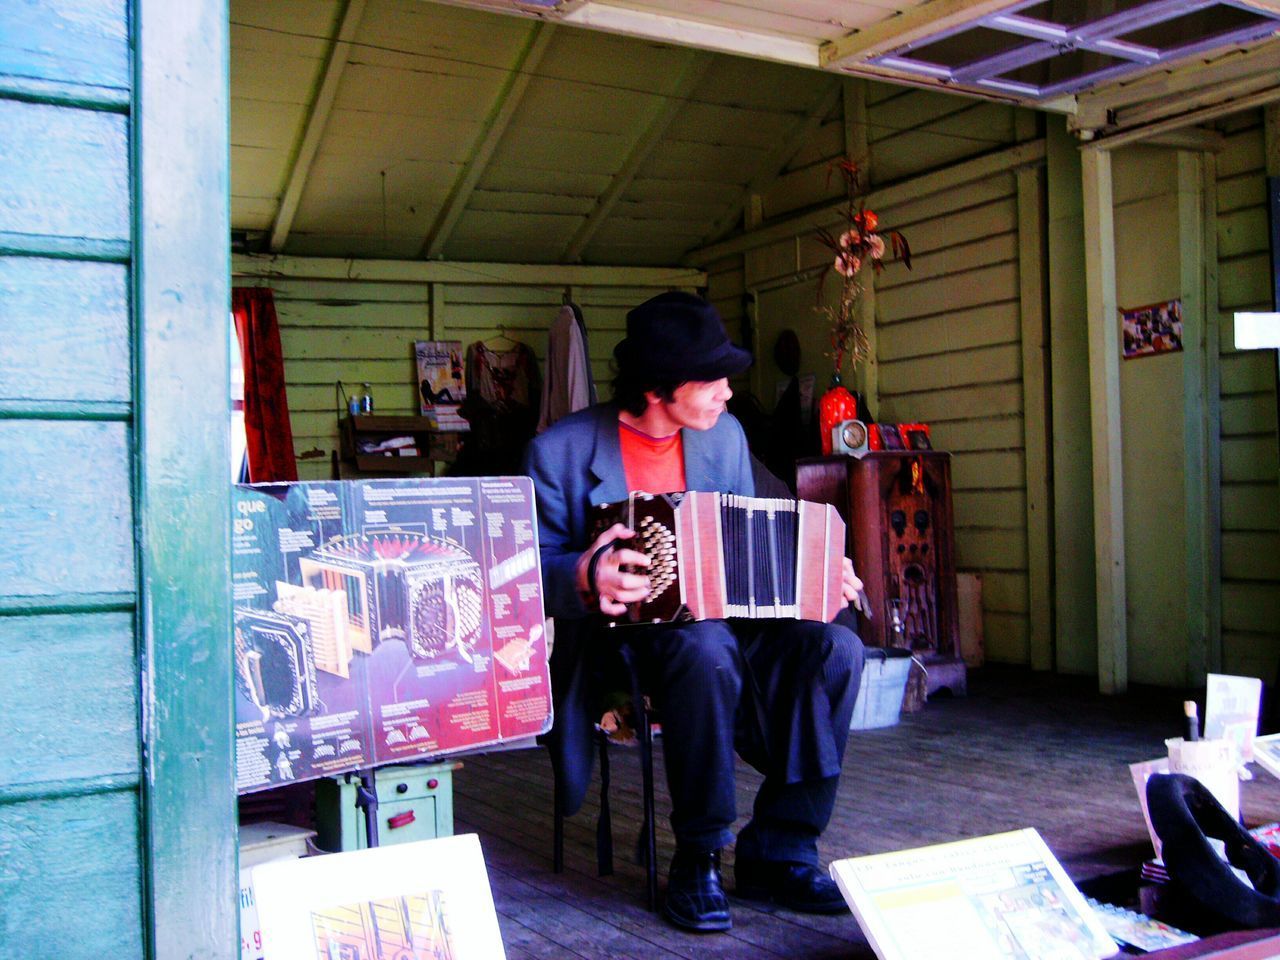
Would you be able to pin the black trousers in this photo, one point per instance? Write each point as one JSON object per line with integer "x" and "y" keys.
{"x": 778, "y": 692}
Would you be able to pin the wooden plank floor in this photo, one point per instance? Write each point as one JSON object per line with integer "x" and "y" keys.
{"x": 1022, "y": 750}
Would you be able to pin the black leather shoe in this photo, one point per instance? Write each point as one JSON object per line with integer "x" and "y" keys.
{"x": 695, "y": 897}
{"x": 802, "y": 887}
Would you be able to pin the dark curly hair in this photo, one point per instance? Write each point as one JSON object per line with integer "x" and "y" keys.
{"x": 629, "y": 392}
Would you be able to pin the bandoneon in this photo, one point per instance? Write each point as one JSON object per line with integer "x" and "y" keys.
{"x": 715, "y": 555}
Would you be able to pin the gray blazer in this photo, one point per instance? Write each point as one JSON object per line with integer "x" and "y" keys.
{"x": 576, "y": 465}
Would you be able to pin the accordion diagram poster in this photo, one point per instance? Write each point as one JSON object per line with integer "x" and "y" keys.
{"x": 426, "y": 899}
{"x": 383, "y": 620}
{"x": 1001, "y": 897}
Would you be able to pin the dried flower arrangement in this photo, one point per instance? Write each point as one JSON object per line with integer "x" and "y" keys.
{"x": 854, "y": 247}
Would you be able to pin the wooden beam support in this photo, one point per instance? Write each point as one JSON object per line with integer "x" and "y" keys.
{"x": 317, "y": 118}
{"x": 1104, "y": 410}
{"x": 1198, "y": 263}
{"x": 687, "y": 32}
{"x": 664, "y": 112}
{"x": 1197, "y": 139}
{"x": 1122, "y": 138}
{"x": 491, "y": 132}
{"x": 773, "y": 163}
{"x": 1033, "y": 309}
{"x": 1271, "y": 144}
{"x": 437, "y": 271}
{"x": 180, "y": 304}
{"x": 437, "y": 324}
{"x": 910, "y": 25}
{"x": 1167, "y": 87}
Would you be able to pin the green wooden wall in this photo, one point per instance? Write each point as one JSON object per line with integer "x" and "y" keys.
{"x": 96, "y": 452}
{"x": 1250, "y": 498}
{"x": 950, "y": 354}
{"x": 362, "y": 330}
{"x": 964, "y": 342}
{"x": 947, "y": 335}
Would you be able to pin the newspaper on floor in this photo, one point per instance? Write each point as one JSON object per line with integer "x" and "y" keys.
{"x": 1000, "y": 897}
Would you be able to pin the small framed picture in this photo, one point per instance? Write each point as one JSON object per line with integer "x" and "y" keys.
{"x": 915, "y": 436}
{"x": 890, "y": 436}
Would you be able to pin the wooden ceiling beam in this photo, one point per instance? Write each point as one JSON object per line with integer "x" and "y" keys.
{"x": 772, "y": 165}
{"x": 1141, "y": 133}
{"x": 1170, "y": 85}
{"x": 317, "y": 118}
{"x": 689, "y": 32}
{"x": 1200, "y": 139}
{"x": 664, "y": 112}
{"x": 905, "y": 27}
{"x": 267, "y": 268}
{"x": 491, "y": 132}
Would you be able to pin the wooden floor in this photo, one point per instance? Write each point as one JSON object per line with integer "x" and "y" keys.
{"x": 1021, "y": 750}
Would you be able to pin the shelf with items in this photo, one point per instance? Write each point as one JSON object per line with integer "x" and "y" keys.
{"x": 378, "y": 443}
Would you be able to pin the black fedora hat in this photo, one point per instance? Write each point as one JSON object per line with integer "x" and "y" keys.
{"x": 677, "y": 336}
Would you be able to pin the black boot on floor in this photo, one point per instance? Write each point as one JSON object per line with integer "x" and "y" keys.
{"x": 695, "y": 897}
{"x": 802, "y": 887}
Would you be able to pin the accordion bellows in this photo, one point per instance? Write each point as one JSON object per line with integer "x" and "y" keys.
{"x": 715, "y": 555}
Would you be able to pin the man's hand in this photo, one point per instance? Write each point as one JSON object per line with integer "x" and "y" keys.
{"x": 852, "y": 586}
{"x": 611, "y": 586}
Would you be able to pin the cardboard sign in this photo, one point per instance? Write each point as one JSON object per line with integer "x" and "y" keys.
{"x": 384, "y": 620}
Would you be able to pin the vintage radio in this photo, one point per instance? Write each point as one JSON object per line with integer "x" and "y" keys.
{"x": 719, "y": 555}
{"x": 898, "y": 508}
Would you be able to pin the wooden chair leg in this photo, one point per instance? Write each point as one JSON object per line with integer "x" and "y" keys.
{"x": 557, "y": 829}
{"x": 644, "y": 732}
{"x": 557, "y": 841}
{"x": 604, "y": 825}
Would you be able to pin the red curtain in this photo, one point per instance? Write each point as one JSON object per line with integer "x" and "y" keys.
{"x": 266, "y": 411}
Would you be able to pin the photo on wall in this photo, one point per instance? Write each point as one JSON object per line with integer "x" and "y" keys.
{"x": 1151, "y": 329}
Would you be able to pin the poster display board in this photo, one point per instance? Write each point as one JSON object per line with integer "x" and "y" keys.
{"x": 380, "y": 621}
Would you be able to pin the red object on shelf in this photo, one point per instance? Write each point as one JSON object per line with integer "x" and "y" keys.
{"x": 836, "y": 406}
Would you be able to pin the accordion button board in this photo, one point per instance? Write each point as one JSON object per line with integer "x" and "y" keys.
{"x": 716, "y": 556}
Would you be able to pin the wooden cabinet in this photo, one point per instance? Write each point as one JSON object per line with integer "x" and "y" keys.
{"x": 898, "y": 509}
{"x": 359, "y": 432}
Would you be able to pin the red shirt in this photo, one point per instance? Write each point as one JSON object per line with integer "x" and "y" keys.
{"x": 651, "y": 464}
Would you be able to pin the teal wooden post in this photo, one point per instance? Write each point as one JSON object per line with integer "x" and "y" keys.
{"x": 181, "y": 306}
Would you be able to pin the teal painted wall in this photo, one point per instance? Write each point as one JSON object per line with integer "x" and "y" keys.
{"x": 71, "y": 869}
{"x": 115, "y": 530}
